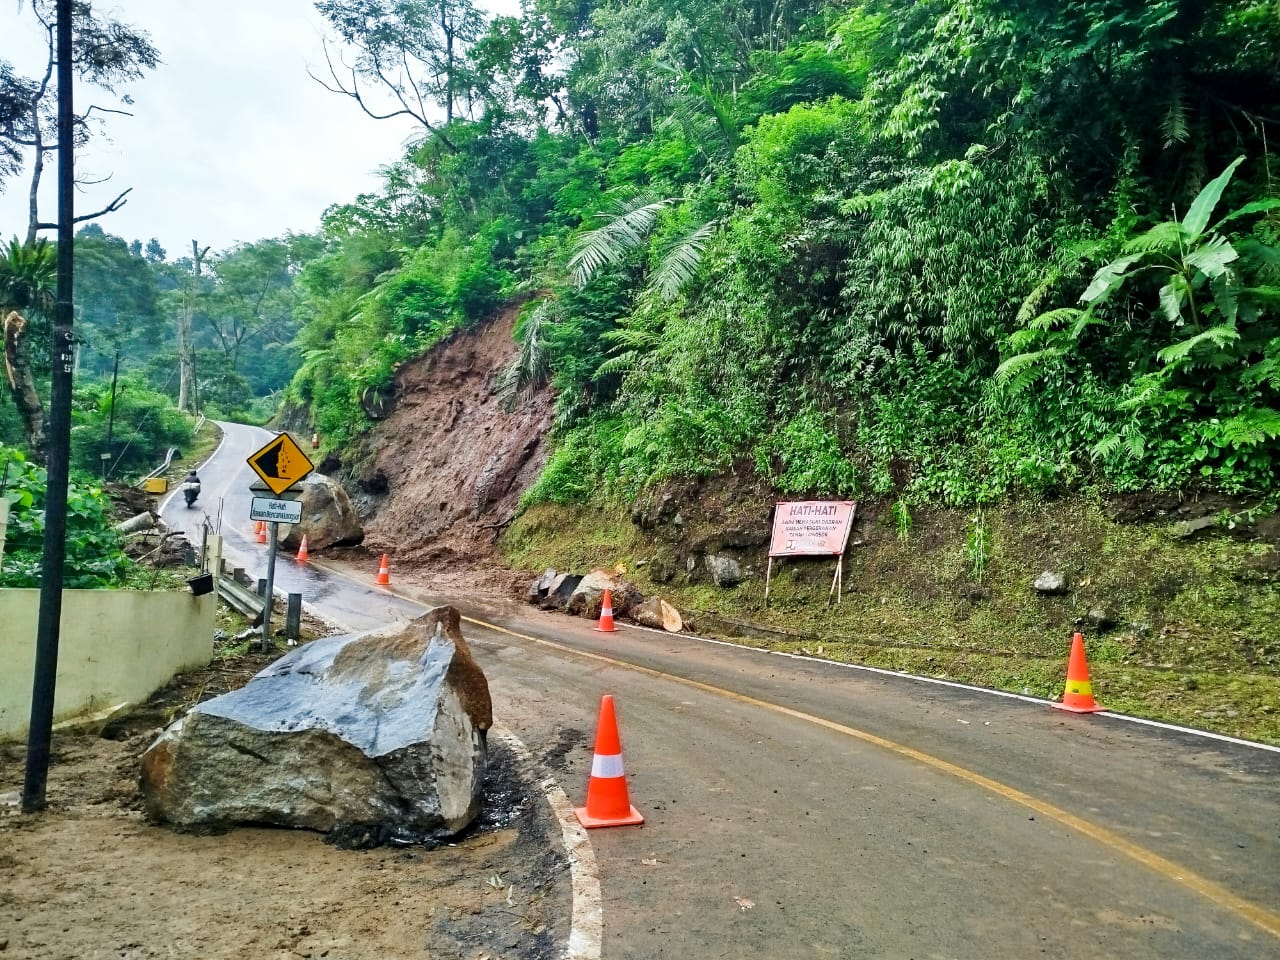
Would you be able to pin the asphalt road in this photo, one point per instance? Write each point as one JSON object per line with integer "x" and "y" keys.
{"x": 224, "y": 505}
{"x": 796, "y": 808}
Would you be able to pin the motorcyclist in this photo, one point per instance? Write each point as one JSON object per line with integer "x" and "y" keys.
{"x": 191, "y": 488}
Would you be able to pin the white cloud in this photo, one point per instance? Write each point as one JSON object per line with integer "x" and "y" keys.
{"x": 231, "y": 140}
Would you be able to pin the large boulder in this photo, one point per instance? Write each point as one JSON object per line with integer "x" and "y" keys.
{"x": 588, "y": 596}
{"x": 725, "y": 571}
{"x": 381, "y": 733}
{"x": 559, "y": 590}
{"x": 541, "y": 587}
{"x": 329, "y": 518}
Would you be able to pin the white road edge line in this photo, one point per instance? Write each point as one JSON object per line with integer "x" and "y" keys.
{"x": 586, "y": 924}
{"x": 1192, "y": 731}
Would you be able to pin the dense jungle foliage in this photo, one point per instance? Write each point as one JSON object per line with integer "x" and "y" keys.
{"x": 943, "y": 250}
{"x": 93, "y": 558}
{"x": 939, "y": 250}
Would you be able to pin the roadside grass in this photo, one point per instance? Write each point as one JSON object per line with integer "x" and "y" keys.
{"x": 1196, "y": 639}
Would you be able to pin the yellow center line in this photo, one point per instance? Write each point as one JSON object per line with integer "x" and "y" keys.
{"x": 1259, "y": 916}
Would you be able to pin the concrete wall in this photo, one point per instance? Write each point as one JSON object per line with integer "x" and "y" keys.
{"x": 116, "y": 646}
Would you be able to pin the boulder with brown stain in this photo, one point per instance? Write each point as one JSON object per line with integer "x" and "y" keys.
{"x": 381, "y": 733}
{"x": 329, "y": 518}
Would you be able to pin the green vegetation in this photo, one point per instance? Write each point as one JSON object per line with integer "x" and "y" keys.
{"x": 935, "y": 251}
{"x": 1194, "y": 642}
{"x": 843, "y": 245}
{"x": 93, "y": 557}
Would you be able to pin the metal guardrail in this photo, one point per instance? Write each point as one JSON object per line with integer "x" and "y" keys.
{"x": 199, "y": 423}
{"x": 168, "y": 462}
{"x": 240, "y": 598}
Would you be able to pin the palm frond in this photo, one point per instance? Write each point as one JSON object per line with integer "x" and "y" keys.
{"x": 622, "y": 232}
{"x": 1182, "y": 351}
{"x": 1252, "y": 427}
{"x": 680, "y": 261}
{"x": 1167, "y": 237}
{"x": 529, "y": 366}
{"x": 1019, "y": 372}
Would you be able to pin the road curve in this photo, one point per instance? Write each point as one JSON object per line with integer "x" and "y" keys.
{"x": 796, "y": 808}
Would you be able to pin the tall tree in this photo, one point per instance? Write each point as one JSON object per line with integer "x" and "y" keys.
{"x": 105, "y": 53}
{"x": 414, "y": 50}
{"x": 27, "y": 286}
{"x": 191, "y": 292}
{"x": 252, "y": 303}
{"x": 117, "y": 301}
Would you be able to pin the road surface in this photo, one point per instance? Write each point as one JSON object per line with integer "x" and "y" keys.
{"x": 796, "y": 808}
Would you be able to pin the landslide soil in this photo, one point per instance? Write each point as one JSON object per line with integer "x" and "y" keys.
{"x": 440, "y": 478}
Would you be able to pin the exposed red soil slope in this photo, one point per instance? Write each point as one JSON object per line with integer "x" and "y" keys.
{"x": 442, "y": 474}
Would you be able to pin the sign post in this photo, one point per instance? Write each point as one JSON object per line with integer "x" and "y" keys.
{"x": 280, "y": 464}
{"x": 811, "y": 528}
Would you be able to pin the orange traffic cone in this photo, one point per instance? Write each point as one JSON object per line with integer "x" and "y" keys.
{"x": 607, "y": 802}
{"x": 303, "y": 554}
{"x": 383, "y": 579}
{"x": 1078, "y": 697}
{"x": 606, "y": 615}
{"x": 261, "y": 532}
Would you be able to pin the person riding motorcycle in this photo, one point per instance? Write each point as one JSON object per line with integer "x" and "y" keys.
{"x": 191, "y": 488}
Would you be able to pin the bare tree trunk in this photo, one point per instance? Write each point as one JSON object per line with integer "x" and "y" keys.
{"x": 22, "y": 385}
{"x": 186, "y": 345}
{"x": 33, "y": 203}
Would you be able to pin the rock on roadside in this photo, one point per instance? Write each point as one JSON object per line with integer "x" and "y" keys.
{"x": 381, "y": 732}
{"x": 329, "y": 518}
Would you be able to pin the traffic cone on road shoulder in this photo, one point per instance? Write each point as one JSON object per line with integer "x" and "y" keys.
{"x": 606, "y": 615}
{"x": 1078, "y": 697}
{"x": 608, "y": 804}
{"x": 383, "y": 579}
{"x": 261, "y": 532}
{"x": 303, "y": 554}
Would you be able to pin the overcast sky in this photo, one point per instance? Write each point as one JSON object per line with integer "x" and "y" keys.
{"x": 231, "y": 141}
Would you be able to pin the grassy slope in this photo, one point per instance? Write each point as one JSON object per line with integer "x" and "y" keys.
{"x": 1197, "y": 640}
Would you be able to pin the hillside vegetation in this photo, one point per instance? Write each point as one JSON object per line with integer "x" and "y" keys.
{"x": 982, "y": 266}
{"x": 933, "y": 251}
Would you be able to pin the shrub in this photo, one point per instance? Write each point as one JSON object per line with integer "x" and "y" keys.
{"x": 93, "y": 554}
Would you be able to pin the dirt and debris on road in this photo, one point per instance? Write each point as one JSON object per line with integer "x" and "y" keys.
{"x": 91, "y": 878}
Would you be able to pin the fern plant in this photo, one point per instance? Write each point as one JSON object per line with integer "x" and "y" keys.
{"x": 1217, "y": 296}
{"x": 1203, "y": 293}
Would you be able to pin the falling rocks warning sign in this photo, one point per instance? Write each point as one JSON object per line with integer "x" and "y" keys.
{"x": 811, "y": 528}
{"x": 280, "y": 464}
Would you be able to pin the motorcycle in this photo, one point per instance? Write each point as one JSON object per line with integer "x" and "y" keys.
{"x": 190, "y": 491}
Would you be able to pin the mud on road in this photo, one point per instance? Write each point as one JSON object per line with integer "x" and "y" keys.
{"x": 90, "y": 878}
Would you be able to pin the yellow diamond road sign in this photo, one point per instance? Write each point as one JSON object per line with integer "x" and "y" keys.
{"x": 281, "y": 463}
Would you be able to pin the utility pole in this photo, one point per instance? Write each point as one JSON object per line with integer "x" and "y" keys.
{"x": 59, "y": 444}
{"x": 186, "y": 336}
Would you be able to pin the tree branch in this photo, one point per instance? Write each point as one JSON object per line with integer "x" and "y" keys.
{"x": 113, "y": 206}
{"x": 93, "y": 107}
{"x": 354, "y": 93}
